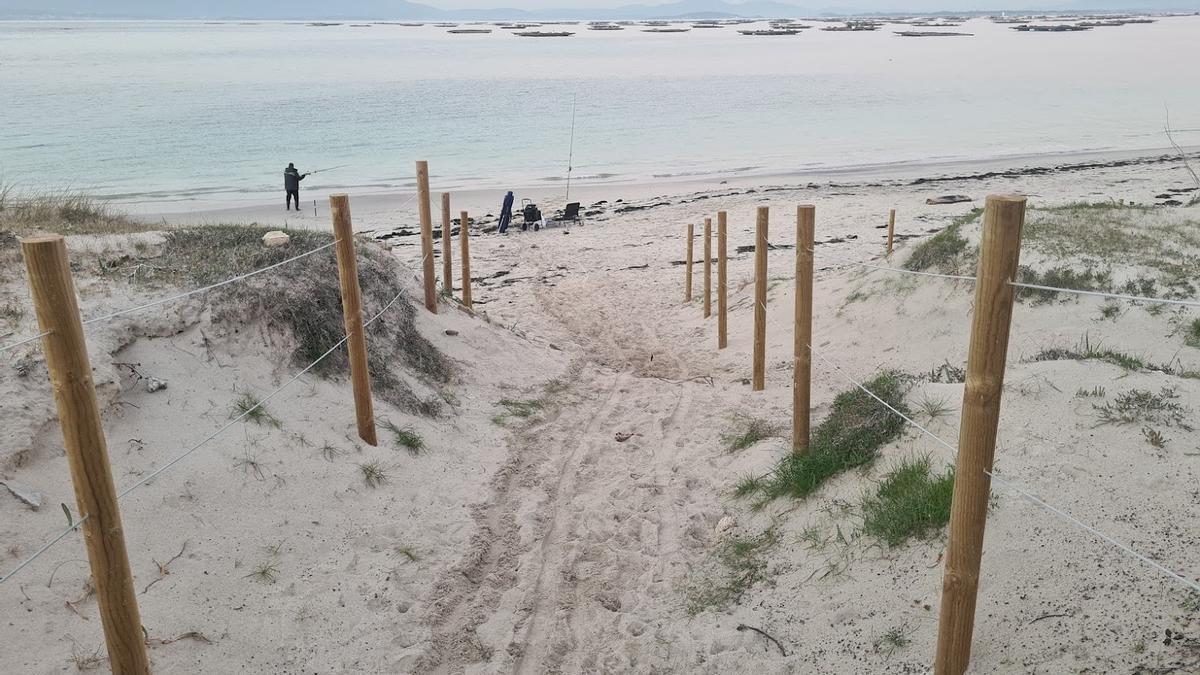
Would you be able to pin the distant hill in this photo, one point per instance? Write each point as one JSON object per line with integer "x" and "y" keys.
{"x": 403, "y": 9}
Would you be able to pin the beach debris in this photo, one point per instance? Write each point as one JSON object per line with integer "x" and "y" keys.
{"x": 949, "y": 199}
{"x": 640, "y": 207}
{"x": 726, "y": 525}
{"x": 31, "y": 497}
{"x": 451, "y": 332}
{"x": 154, "y": 384}
{"x": 770, "y": 247}
{"x": 744, "y": 627}
{"x": 622, "y": 436}
{"x": 276, "y": 238}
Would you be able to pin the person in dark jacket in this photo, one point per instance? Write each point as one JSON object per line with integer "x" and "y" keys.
{"x": 291, "y": 184}
{"x": 506, "y": 212}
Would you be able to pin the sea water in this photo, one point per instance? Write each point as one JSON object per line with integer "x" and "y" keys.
{"x": 197, "y": 112}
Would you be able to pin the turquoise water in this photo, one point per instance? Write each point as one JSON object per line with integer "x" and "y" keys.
{"x": 166, "y": 111}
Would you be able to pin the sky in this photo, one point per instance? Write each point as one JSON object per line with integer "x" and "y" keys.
{"x": 808, "y": 6}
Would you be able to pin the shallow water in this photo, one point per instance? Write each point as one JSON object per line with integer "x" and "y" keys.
{"x": 199, "y": 112}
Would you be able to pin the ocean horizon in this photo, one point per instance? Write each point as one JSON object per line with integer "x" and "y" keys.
{"x": 192, "y": 112}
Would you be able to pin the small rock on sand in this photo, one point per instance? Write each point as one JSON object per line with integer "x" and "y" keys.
{"x": 276, "y": 238}
{"x": 948, "y": 199}
{"x": 154, "y": 384}
{"x": 31, "y": 497}
{"x": 726, "y": 525}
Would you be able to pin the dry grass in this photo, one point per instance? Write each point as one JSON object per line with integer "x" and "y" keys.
{"x": 302, "y": 300}
{"x": 26, "y": 212}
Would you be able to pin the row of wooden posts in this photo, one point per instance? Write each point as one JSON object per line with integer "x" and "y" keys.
{"x": 1004, "y": 218}
{"x": 53, "y": 290}
{"x": 429, "y": 278}
{"x": 65, "y": 348}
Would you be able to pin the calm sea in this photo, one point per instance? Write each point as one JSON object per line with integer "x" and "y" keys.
{"x": 157, "y": 111}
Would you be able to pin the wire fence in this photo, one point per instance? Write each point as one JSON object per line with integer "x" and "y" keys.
{"x": 1004, "y": 482}
{"x": 1012, "y": 486}
{"x": 246, "y": 413}
{"x": 844, "y": 264}
{"x": 179, "y": 296}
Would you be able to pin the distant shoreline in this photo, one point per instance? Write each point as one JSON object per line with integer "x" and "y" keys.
{"x": 916, "y": 173}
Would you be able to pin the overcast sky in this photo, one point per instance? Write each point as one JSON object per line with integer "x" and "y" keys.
{"x": 270, "y": 8}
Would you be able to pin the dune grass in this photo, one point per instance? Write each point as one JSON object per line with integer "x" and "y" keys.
{"x": 249, "y": 407}
{"x": 946, "y": 251}
{"x": 64, "y": 211}
{"x": 303, "y": 299}
{"x": 1191, "y": 334}
{"x": 910, "y": 502}
{"x": 406, "y": 437}
{"x": 1086, "y": 350}
{"x": 1137, "y": 406}
{"x": 748, "y": 431}
{"x": 740, "y": 563}
{"x": 857, "y": 427}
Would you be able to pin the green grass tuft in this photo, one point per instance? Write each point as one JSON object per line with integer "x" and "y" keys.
{"x": 851, "y": 436}
{"x": 406, "y": 437}
{"x": 910, "y": 502}
{"x": 253, "y": 410}
{"x": 945, "y": 251}
{"x": 748, "y": 431}
{"x": 373, "y": 474}
{"x": 934, "y": 408}
{"x": 1138, "y": 406}
{"x": 521, "y": 408}
{"x": 1191, "y": 334}
{"x": 740, "y": 564}
{"x": 1086, "y": 350}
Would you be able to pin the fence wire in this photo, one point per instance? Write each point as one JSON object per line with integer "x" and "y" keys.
{"x": 173, "y": 298}
{"x": 1029, "y": 496}
{"x": 157, "y": 472}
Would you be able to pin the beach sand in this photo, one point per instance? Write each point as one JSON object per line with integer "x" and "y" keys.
{"x": 578, "y": 538}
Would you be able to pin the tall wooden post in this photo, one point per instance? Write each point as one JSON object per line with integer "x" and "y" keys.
{"x": 759, "y": 381}
{"x": 722, "y": 298}
{"x": 687, "y": 282}
{"x": 707, "y": 267}
{"x": 447, "y": 279}
{"x": 352, "y": 315}
{"x": 999, "y": 255}
{"x": 806, "y": 215}
{"x": 87, "y": 454}
{"x": 426, "y": 236}
{"x": 891, "y": 229}
{"x": 465, "y": 254}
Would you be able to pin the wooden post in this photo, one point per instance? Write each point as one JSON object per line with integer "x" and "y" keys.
{"x": 759, "y": 381}
{"x": 447, "y": 280}
{"x": 87, "y": 454}
{"x": 687, "y": 282}
{"x": 426, "y": 236}
{"x": 722, "y": 298}
{"x": 463, "y": 238}
{"x": 891, "y": 229}
{"x": 352, "y": 315}
{"x": 806, "y": 215}
{"x": 707, "y": 267}
{"x": 999, "y": 255}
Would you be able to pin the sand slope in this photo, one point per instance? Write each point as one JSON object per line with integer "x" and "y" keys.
{"x": 575, "y": 540}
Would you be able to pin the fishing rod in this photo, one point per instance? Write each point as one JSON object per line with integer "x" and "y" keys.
{"x": 571, "y": 152}
{"x": 328, "y": 168}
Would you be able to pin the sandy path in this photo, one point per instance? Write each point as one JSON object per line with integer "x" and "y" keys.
{"x": 583, "y": 528}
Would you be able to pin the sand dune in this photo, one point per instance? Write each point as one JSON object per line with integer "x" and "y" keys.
{"x": 576, "y": 493}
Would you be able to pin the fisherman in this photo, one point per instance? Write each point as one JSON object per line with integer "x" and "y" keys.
{"x": 291, "y": 185}
{"x": 506, "y": 212}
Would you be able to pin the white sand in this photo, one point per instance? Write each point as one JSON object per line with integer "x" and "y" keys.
{"x": 549, "y": 546}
